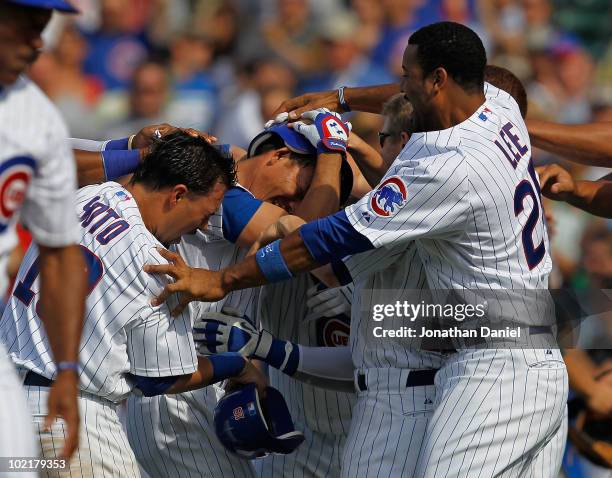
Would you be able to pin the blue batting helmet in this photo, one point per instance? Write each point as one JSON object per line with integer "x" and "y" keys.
{"x": 61, "y": 5}
{"x": 252, "y": 427}
{"x": 297, "y": 143}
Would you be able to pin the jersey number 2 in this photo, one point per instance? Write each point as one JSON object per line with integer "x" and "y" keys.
{"x": 533, "y": 254}
{"x": 95, "y": 269}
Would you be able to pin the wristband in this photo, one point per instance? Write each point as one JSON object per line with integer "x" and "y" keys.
{"x": 226, "y": 365}
{"x": 115, "y": 144}
{"x": 284, "y": 356}
{"x": 331, "y": 145}
{"x": 271, "y": 263}
{"x": 130, "y": 141}
{"x": 67, "y": 366}
{"x": 224, "y": 150}
{"x": 342, "y": 100}
{"x": 119, "y": 163}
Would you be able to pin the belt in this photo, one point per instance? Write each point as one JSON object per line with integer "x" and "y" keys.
{"x": 416, "y": 378}
{"x": 33, "y": 379}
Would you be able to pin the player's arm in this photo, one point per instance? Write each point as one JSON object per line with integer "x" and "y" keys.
{"x": 49, "y": 213}
{"x": 587, "y": 143}
{"x": 222, "y": 333}
{"x": 369, "y": 161}
{"x": 594, "y": 197}
{"x": 437, "y": 206}
{"x": 369, "y": 99}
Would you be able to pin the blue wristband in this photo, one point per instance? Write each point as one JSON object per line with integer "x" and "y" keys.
{"x": 114, "y": 144}
{"x": 226, "y": 365}
{"x": 271, "y": 262}
{"x": 284, "y": 356}
{"x": 119, "y": 163}
{"x": 225, "y": 150}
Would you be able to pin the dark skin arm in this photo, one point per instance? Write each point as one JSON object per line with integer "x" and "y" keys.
{"x": 210, "y": 286}
{"x": 594, "y": 197}
{"x": 202, "y": 377}
{"x": 586, "y": 143}
{"x": 62, "y": 302}
{"x": 368, "y": 98}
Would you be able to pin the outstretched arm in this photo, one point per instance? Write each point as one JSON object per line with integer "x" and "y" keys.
{"x": 586, "y": 143}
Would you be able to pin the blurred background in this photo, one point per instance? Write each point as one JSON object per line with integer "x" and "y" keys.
{"x": 223, "y": 66}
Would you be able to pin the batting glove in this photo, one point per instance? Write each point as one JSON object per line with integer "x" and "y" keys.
{"x": 229, "y": 331}
{"x": 324, "y": 302}
{"x": 327, "y": 133}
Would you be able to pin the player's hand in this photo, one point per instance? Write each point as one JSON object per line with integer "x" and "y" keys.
{"x": 326, "y": 131}
{"x": 229, "y": 331}
{"x": 292, "y": 109}
{"x": 324, "y": 302}
{"x": 281, "y": 228}
{"x": 599, "y": 399}
{"x": 147, "y": 135}
{"x": 190, "y": 283}
{"x": 556, "y": 182}
{"x": 62, "y": 402}
{"x": 250, "y": 374}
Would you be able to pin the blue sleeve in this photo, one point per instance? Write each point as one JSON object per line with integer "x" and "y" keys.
{"x": 151, "y": 386}
{"x": 239, "y": 206}
{"x": 333, "y": 237}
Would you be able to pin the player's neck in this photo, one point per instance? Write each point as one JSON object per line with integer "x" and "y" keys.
{"x": 449, "y": 114}
{"x": 148, "y": 205}
{"x": 244, "y": 170}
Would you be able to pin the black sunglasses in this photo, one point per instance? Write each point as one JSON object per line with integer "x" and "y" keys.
{"x": 382, "y": 137}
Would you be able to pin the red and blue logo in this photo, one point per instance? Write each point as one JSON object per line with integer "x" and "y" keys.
{"x": 389, "y": 197}
{"x": 15, "y": 176}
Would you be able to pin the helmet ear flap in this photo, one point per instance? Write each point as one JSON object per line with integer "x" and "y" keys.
{"x": 251, "y": 427}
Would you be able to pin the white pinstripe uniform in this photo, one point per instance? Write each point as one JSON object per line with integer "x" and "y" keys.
{"x": 37, "y": 175}
{"x": 173, "y": 435}
{"x": 122, "y": 332}
{"x": 323, "y": 416}
{"x": 468, "y": 198}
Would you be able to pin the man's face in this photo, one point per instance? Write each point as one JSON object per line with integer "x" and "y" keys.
{"x": 413, "y": 84}
{"x": 280, "y": 180}
{"x": 391, "y": 144}
{"x": 188, "y": 213}
{"x": 20, "y": 39}
{"x": 149, "y": 90}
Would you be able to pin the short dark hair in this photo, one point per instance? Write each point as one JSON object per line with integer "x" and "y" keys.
{"x": 506, "y": 80}
{"x": 454, "y": 47}
{"x": 399, "y": 112}
{"x": 180, "y": 158}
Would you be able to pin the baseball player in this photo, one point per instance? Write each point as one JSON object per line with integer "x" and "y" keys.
{"x": 464, "y": 189}
{"x": 174, "y": 435}
{"x": 37, "y": 178}
{"x": 127, "y": 345}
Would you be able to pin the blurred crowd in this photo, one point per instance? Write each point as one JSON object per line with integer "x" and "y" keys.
{"x": 224, "y": 65}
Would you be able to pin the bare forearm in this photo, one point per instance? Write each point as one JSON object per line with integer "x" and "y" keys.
{"x": 368, "y": 160}
{"x": 594, "y": 197}
{"x": 63, "y": 280}
{"x": 247, "y": 273}
{"x": 370, "y": 98}
{"x": 586, "y": 144}
{"x": 202, "y": 377}
{"x": 323, "y": 195}
{"x": 89, "y": 167}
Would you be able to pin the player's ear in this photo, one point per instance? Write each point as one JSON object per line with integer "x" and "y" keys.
{"x": 439, "y": 78}
{"x": 178, "y": 193}
{"x": 277, "y": 155}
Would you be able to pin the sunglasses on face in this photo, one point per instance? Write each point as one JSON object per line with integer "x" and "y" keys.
{"x": 382, "y": 137}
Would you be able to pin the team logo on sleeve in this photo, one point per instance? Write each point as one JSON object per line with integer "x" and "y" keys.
{"x": 15, "y": 176}
{"x": 389, "y": 197}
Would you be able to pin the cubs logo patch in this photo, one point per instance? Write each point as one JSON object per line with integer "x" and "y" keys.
{"x": 238, "y": 413}
{"x": 389, "y": 197}
{"x": 333, "y": 331}
{"x": 15, "y": 176}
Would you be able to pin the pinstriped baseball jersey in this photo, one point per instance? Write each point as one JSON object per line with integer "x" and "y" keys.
{"x": 37, "y": 172}
{"x": 122, "y": 332}
{"x": 469, "y": 197}
{"x": 399, "y": 269}
{"x": 282, "y": 308}
{"x": 174, "y": 433}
